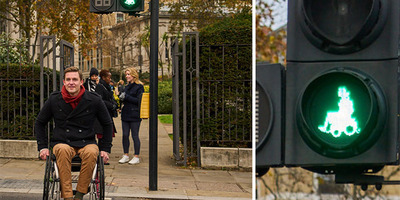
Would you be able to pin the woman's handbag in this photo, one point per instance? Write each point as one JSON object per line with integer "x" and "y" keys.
{"x": 145, "y": 106}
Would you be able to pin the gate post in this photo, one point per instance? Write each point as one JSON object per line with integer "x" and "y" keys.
{"x": 65, "y": 59}
{"x": 198, "y": 99}
{"x": 175, "y": 97}
{"x": 47, "y": 39}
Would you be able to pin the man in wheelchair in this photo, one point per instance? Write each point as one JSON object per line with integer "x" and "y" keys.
{"x": 74, "y": 110}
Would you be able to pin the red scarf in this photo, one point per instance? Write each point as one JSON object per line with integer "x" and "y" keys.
{"x": 74, "y": 101}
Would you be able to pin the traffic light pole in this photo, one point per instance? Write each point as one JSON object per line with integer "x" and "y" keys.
{"x": 153, "y": 140}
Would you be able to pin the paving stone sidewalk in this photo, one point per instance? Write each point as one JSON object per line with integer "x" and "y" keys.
{"x": 124, "y": 180}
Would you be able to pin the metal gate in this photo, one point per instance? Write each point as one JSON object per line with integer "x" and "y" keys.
{"x": 50, "y": 63}
{"x": 18, "y": 89}
{"x": 208, "y": 109}
{"x": 186, "y": 82}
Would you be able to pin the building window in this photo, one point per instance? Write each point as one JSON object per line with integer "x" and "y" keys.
{"x": 87, "y": 65}
{"x": 91, "y": 58}
{"x": 116, "y": 56}
{"x": 99, "y": 58}
{"x": 166, "y": 48}
{"x": 123, "y": 54}
{"x": 80, "y": 60}
{"x": 120, "y": 17}
{"x": 131, "y": 46}
{"x": 3, "y": 26}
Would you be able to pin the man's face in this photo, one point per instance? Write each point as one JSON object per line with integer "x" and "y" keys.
{"x": 93, "y": 77}
{"x": 72, "y": 83}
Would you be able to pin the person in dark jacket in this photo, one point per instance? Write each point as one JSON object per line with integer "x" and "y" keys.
{"x": 91, "y": 82}
{"x": 73, "y": 110}
{"x": 130, "y": 114}
{"x": 104, "y": 90}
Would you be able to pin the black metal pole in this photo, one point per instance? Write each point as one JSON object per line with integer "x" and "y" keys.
{"x": 153, "y": 140}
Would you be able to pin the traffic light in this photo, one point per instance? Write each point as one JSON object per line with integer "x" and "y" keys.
{"x": 109, "y": 6}
{"x": 342, "y": 85}
{"x": 130, "y": 6}
{"x": 102, "y": 6}
{"x": 269, "y": 116}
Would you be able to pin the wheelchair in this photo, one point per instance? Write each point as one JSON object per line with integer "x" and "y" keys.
{"x": 52, "y": 189}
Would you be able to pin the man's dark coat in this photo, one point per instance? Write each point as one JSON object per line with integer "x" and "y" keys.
{"x": 74, "y": 126}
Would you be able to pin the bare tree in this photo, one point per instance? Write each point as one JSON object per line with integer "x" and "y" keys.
{"x": 119, "y": 43}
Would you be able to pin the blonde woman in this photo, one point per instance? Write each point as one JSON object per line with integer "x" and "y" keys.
{"x": 130, "y": 114}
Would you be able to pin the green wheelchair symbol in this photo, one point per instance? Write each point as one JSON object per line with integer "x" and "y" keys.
{"x": 341, "y": 121}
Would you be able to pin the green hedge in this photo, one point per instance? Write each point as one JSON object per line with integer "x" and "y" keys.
{"x": 165, "y": 97}
{"x": 236, "y": 29}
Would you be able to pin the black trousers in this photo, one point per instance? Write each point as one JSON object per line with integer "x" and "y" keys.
{"x": 132, "y": 127}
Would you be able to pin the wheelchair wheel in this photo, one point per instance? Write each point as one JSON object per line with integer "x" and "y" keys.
{"x": 46, "y": 181}
{"x": 51, "y": 185}
{"x": 97, "y": 186}
{"x": 100, "y": 173}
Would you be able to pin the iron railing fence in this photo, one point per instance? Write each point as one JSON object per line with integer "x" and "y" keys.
{"x": 28, "y": 75}
{"x": 19, "y": 89}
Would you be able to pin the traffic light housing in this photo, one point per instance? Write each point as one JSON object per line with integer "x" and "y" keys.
{"x": 342, "y": 84}
{"x": 103, "y": 6}
{"x": 269, "y": 109}
{"x": 109, "y": 6}
{"x": 130, "y": 6}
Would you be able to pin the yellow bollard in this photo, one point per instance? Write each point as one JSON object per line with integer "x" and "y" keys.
{"x": 145, "y": 106}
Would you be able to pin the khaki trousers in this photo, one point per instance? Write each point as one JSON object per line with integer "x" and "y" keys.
{"x": 64, "y": 154}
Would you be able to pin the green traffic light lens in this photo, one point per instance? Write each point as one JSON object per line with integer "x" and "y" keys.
{"x": 129, "y": 4}
{"x": 341, "y": 113}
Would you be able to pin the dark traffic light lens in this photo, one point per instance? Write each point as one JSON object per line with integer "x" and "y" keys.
{"x": 336, "y": 113}
{"x": 336, "y": 19}
{"x": 129, "y": 4}
{"x": 334, "y": 27}
{"x": 263, "y": 115}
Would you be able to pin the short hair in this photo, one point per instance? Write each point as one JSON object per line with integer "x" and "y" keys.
{"x": 104, "y": 73}
{"x": 73, "y": 69}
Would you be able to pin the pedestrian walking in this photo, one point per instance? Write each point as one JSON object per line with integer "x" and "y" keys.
{"x": 130, "y": 114}
{"x": 73, "y": 110}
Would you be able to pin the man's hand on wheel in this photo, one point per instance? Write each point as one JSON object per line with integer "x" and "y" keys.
{"x": 44, "y": 153}
{"x": 104, "y": 154}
